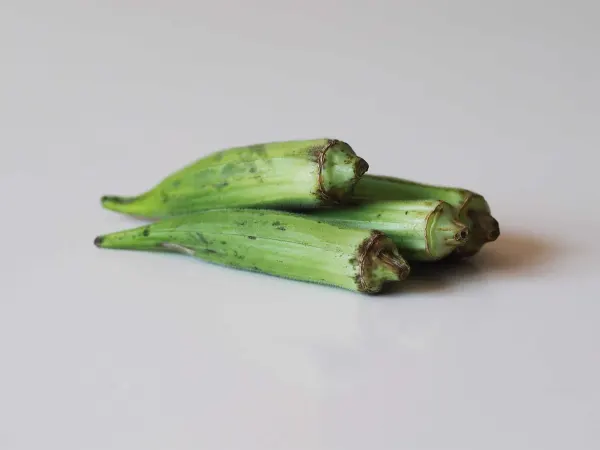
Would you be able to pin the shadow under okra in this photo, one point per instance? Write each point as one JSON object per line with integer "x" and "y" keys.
{"x": 513, "y": 255}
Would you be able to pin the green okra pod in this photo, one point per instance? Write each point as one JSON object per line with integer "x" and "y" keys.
{"x": 276, "y": 175}
{"x": 472, "y": 208}
{"x": 276, "y": 243}
{"x": 423, "y": 230}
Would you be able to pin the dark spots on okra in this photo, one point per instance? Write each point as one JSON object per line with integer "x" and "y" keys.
{"x": 406, "y": 213}
{"x": 176, "y": 183}
{"x": 378, "y": 215}
{"x": 252, "y": 238}
{"x": 241, "y": 223}
{"x": 164, "y": 197}
{"x": 146, "y": 232}
{"x": 253, "y": 169}
{"x": 281, "y": 228}
{"x": 276, "y": 223}
{"x": 221, "y": 185}
{"x": 223, "y": 242}
{"x": 201, "y": 238}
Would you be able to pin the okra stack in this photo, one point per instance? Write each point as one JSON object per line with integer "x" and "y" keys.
{"x": 304, "y": 210}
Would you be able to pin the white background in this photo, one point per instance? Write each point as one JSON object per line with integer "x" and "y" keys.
{"x": 125, "y": 350}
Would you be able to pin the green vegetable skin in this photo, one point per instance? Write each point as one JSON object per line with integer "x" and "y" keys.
{"x": 423, "y": 230}
{"x": 276, "y": 243}
{"x": 276, "y": 175}
{"x": 472, "y": 208}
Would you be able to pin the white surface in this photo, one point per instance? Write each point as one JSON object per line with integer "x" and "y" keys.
{"x": 123, "y": 350}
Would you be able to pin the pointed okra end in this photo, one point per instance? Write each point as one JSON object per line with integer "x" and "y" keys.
{"x": 116, "y": 203}
{"x": 339, "y": 169}
{"x": 379, "y": 263}
{"x": 484, "y": 229}
{"x": 147, "y": 205}
{"x": 119, "y": 240}
{"x": 477, "y": 214}
{"x": 490, "y": 228}
{"x": 98, "y": 240}
{"x": 139, "y": 238}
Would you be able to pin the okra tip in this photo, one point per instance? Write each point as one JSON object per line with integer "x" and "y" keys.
{"x": 362, "y": 167}
{"x": 140, "y": 206}
{"x": 485, "y": 229}
{"x": 98, "y": 241}
{"x": 110, "y": 199}
{"x": 117, "y": 240}
{"x": 116, "y": 203}
{"x": 490, "y": 226}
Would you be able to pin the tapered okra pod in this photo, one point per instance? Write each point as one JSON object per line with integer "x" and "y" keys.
{"x": 423, "y": 230}
{"x": 276, "y": 243}
{"x": 276, "y": 175}
{"x": 472, "y": 208}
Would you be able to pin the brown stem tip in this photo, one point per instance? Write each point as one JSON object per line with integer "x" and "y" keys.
{"x": 490, "y": 227}
{"x": 401, "y": 268}
{"x": 379, "y": 262}
{"x": 361, "y": 167}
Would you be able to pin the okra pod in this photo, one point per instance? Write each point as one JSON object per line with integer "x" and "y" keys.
{"x": 273, "y": 242}
{"x": 472, "y": 208}
{"x": 276, "y": 175}
{"x": 423, "y": 230}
